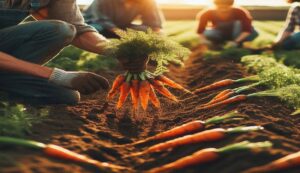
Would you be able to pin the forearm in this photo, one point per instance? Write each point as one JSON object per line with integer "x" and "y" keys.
{"x": 242, "y": 37}
{"x": 90, "y": 41}
{"x": 282, "y": 36}
{"x": 9, "y": 63}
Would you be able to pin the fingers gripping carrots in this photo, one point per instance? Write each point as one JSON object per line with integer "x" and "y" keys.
{"x": 142, "y": 88}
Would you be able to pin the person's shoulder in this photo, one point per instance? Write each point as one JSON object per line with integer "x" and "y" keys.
{"x": 295, "y": 6}
{"x": 238, "y": 9}
{"x": 205, "y": 12}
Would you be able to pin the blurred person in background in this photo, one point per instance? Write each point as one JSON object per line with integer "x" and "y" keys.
{"x": 229, "y": 24}
{"x": 26, "y": 47}
{"x": 289, "y": 39}
{"x": 109, "y": 16}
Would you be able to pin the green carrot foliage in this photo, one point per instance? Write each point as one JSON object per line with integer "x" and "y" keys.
{"x": 138, "y": 44}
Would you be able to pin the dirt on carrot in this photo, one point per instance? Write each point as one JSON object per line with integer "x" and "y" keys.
{"x": 94, "y": 128}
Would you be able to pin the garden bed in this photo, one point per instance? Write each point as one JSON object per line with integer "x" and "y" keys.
{"x": 95, "y": 129}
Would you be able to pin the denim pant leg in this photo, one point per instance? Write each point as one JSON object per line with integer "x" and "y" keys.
{"x": 237, "y": 29}
{"x": 213, "y": 35}
{"x": 292, "y": 42}
{"x": 36, "y": 42}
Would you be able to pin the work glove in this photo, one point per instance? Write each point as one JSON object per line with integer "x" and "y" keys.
{"x": 84, "y": 82}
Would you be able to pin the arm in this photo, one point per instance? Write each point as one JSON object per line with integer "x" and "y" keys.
{"x": 246, "y": 21}
{"x": 90, "y": 41}
{"x": 9, "y": 63}
{"x": 151, "y": 15}
{"x": 203, "y": 20}
{"x": 289, "y": 26}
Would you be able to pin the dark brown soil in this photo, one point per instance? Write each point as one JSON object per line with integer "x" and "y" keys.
{"x": 96, "y": 129}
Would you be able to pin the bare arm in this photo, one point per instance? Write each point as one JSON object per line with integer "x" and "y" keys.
{"x": 90, "y": 41}
{"x": 9, "y": 63}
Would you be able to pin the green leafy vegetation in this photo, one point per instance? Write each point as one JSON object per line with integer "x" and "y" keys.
{"x": 16, "y": 120}
{"x": 139, "y": 45}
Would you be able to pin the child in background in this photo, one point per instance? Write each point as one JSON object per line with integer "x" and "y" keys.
{"x": 229, "y": 23}
{"x": 288, "y": 39}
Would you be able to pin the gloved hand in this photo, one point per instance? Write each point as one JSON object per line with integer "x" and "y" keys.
{"x": 231, "y": 44}
{"x": 84, "y": 82}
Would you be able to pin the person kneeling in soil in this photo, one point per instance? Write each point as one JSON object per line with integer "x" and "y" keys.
{"x": 229, "y": 23}
{"x": 25, "y": 47}
{"x": 288, "y": 39}
{"x": 109, "y": 16}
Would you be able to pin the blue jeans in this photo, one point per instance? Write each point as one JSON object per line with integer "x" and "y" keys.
{"x": 292, "y": 42}
{"x": 218, "y": 34}
{"x": 36, "y": 42}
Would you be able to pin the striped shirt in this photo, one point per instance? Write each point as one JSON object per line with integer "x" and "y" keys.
{"x": 113, "y": 13}
{"x": 293, "y": 18}
{"x": 65, "y": 10}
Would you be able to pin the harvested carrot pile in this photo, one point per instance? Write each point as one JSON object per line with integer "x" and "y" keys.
{"x": 134, "y": 50}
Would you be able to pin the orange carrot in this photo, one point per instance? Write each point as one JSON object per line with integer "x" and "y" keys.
{"x": 225, "y": 102}
{"x": 124, "y": 91}
{"x": 224, "y": 97}
{"x": 188, "y": 128}
{"x": 205, "y": 136}
{"x": 221, "y": 94}
{"x": 115, "y": 86}
{"x": 144, "y": 93}
{"x": 153, "y": 98}
{"x": 200, "y": 157}
{"x": 162, "y": 90}
{"x": 209, "y": 155}
{"x": 215, "y": 85}
{"x": 57, "y": 151}
{"x": 170, "y": 83}
{"x": 283, "y": 163}
{"x": 134, "y": 90}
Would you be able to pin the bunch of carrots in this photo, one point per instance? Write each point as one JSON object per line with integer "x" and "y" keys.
{"x": 142, "y": 87}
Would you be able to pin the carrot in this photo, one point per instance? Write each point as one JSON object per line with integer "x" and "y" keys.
{"x": 225, "y": 102}
{"x": 225, "y": 82}
{"x": 134, "y": 90}
{"x": 153, "y": 98}
{"x": 215, "y": 85}
{"x": 59, "y": 152}
{"x": 200, "y": 157}
{"x": 162, "y": 90}
{"x": 115, "y": 86}
{"x": 283, "y": 163}
{"x": 221, "y": 94}
{"x": 144, "y": 91}
{"x": 205, "y": 136}
{"x": 124, "y": 91}
{"x": 208, "y": 155}
{"x": 187, "y": 128}
{"x": 171, "y": 83}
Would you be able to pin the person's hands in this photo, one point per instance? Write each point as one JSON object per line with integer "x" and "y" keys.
{"x": 231, "y": 44}
{"x": 84, "y": 82}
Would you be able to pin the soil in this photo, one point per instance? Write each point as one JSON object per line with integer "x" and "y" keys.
{"x": 96, "y": 129}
